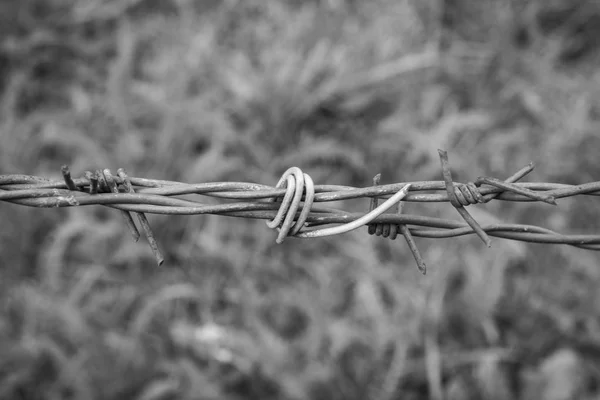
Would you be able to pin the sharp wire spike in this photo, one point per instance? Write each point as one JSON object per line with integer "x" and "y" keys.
{"x": 110, "y": 182}
{"x": 143, "y": 220}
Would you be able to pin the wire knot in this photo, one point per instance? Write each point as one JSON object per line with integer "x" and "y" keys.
{"x": 466, "y": 194}
{"x": 298, "y": 184}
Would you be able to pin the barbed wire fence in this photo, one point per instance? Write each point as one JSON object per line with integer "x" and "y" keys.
{"x": 293, "y": 207}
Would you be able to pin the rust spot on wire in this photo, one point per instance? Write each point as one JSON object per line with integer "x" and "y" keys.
{"x": 295, "y": 206}
{"x": 67, "y": 177}
{"x": 92, "y": 177}
{"x": 70, "y": 201}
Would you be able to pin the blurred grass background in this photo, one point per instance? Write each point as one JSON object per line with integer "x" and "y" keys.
{"x": 239, "y": 90}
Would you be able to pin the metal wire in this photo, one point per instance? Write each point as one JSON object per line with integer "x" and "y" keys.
{"x": 292, "y": 206}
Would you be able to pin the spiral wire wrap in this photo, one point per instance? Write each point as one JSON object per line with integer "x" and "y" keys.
{"x": 297, "y": 183}
{"x": 466, "y": 194}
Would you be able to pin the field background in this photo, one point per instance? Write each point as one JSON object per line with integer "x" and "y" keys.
{"x": 240, "y": 90}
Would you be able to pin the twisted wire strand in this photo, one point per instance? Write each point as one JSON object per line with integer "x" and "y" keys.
{"x": 292, "y": 205}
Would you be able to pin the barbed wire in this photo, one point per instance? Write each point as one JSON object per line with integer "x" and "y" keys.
{"x": 292, "y": 207}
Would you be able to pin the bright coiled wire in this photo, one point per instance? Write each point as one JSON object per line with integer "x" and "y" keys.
{"x": 297, "y": 184}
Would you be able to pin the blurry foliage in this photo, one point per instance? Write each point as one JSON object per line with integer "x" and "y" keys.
{"x": 240, "y": 90}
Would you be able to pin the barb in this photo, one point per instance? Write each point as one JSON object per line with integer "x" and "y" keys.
{"x": 391, "y": 230}
{"x": 456, "y": 203}
{"x": 294, "y": 206}
{"x": 142, "y": 219}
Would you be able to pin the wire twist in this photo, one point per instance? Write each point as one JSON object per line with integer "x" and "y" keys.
{"x": 296, "y": 183}
{"x": 466, "y": 194}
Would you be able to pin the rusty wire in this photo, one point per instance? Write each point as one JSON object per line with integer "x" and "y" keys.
{"x": 290, "y": 206}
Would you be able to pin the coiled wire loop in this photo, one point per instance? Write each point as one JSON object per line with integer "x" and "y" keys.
{"x": 297, "y": 184}
{"x": 467, "y": 194}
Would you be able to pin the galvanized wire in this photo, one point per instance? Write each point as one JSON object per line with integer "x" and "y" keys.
{"x": 292, "y": 206}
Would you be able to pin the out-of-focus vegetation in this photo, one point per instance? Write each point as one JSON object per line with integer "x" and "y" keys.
{"x": 240, "y": 90}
